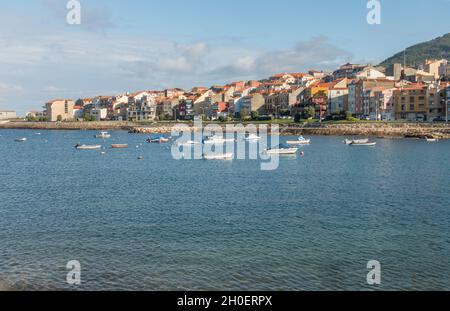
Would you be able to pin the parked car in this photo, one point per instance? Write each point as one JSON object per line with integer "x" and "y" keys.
{"x": 439, "y": 119}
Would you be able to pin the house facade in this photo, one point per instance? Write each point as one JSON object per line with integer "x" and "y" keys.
{"x": 7, "y": 114}
{"x": 59, "y": 109}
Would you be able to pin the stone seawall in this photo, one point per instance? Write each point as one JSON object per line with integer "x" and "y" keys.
{"x": 107, "y": 125}
{"x": 399, "y": 130}
{"x": 395, "y": 130}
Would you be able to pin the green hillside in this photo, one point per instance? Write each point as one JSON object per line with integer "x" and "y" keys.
{"x": 435, "y": 49}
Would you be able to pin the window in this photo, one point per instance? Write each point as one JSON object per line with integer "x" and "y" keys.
{"x": 66, "y": 108}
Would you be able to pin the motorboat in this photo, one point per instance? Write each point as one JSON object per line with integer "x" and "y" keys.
{"x": 357, "y": 141}
{"x": 432, "y": 140}
{"x": 218, "y": 140}
{"x": 300, "y": 141}
{"x": 364, "y": 144}
{"x": 158, "y": 140}
{"x": 103, "y": 135}
{"x": 252, "y": 137}
{"x": 20, "y": 140}
{"x": 282, "y": 149}
{"x": 119, "y": 146}
{"x": 225, "y": 156}
{"x": 87, "y": 147}
{"x": 188, "y": 143}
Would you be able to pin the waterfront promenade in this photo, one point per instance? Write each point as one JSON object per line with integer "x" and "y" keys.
{"x": 380, "y": 129}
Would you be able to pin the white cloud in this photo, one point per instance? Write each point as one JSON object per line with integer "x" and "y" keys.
{"x": 316, "y": 53}
{"x": 38, "y": 62}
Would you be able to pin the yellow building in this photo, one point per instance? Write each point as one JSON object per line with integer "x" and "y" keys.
{"x": 321, "y": 87}
{"x": 59, "y": 109}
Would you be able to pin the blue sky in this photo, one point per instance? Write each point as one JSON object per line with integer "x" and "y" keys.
{"x": 132, "y": 45}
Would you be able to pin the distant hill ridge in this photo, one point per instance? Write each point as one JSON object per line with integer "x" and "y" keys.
{"x": 415, "y": 55}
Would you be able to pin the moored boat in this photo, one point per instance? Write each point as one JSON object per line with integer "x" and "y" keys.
{"x": 252, "y": 137}
{"x": 282, "y": 149}
{"x": 364, "y": 144}
{"x": 119, "y": 146}
{"x": 225, "y": 156}
{"x": 21, "y": 140}
{"x": 300, "y": 141}
{"x": 87, "y": 147}
{"x": 157, "y": 140}
{"x": 431, "y": 140}
{"x": 103, "y": 135}
{"x": 218, "y": 140}
{"x": 357, "y": 141}
{"x": 188, "y": 143}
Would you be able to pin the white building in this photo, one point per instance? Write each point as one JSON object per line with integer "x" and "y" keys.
{"x": 7, "y": 114}
{"x": 338, "y": 99}
{"x": 370, "y": 73}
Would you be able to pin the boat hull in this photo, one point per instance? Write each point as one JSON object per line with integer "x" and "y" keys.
{"x": 282, "y": 151}
{"x": 119, "y": 146}
{"x": 226, "y": 156}
{"x": 96, "y": 147}
{"x": 356, "y": 141}
{"x": 363, "y": 144}
{"x": 299, "y": 142}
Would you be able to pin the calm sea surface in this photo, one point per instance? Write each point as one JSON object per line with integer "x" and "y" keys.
{"x": 162, "y": 224}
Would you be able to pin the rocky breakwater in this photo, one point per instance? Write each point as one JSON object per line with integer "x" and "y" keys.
{"x": 96, "y": 125}
{"x": 394, "y": 130}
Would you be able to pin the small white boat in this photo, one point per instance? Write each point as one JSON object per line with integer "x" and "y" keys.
{"x": 282, "y": 149}
{"x": 368, "y": 144}
{"x": 432, "y": 140}
{"x": 158, "y": 140}
{"x": 188, "y": 143}
{"x": 38, "y": 134}
{"x": 300, "y": 141}
{"x": 21, "y": 140}
{"x": 356, "y": 141}
{"x": 119, "y": 146}
{"x": 87, "y": 147}
{"x": 103, "y": 135}
{"x": 218, "y": 140}
{"x": 252, "y": 137}
{"x": 225, "y": 156}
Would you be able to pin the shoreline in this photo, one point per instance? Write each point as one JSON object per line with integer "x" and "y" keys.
{"x": 382, "y": 130}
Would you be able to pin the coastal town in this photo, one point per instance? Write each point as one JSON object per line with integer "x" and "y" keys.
{"x": 353, "y": 92}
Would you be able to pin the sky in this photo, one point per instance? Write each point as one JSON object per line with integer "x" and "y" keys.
{"x": 137, "y": 45}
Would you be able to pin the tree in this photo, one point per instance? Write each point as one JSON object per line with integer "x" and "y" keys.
{"x": 86, "y": 116}
{"x": 59, "y": 118}
{"x": 254, "y": 115}
{"x": 348, "y": 115}
{"x": 297, "y": 117}
{"x": 243, "y": 115}
{"x": 309, "y": 112}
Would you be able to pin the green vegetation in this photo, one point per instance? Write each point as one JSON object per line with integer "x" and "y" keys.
{"x": 254, "y": 115}
{"x": 87, "y": 117}
{"x": 435, "y": 49}
{"x": 309, "y": 112}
